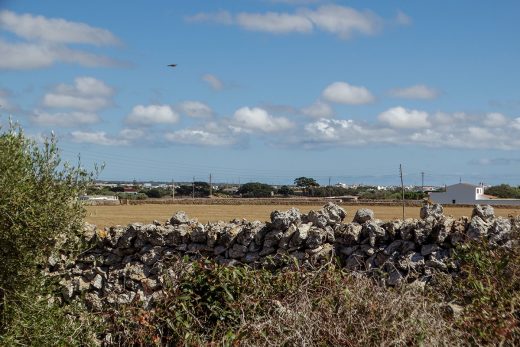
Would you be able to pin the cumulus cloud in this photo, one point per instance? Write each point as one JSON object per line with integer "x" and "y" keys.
{"x": 341, "y": 131}
{"x": 131, "y": 134}
{"x": 276, "y": 23}
{"x": 46, "y": 42}
{"x": 419, "y": 91}
{"x": 448, "y": 119}
{"x": 220, "y": 17}
{"x": 54, "y": 29}
{"x": 318, "y": 109}
{"x": 213, "y": 81}
{"x": 199, "y": 137}
{"x": 195, "y": 109}
{"x": 344, "y": 93}
{"x": 152, "y": 114}
{"x": 495, "y": 119}
{"x": 400, "y": 117}
{"x": 86, "y": 94}
{"x": 344, "y": 22}
{"x": 97, "y": 138}
{"x": 257, "y": 119}
{"x": 516, "y": 123}
{"x": 64, "y": 119}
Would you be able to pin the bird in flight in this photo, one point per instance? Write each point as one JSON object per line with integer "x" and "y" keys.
{"x": 172, "y": 65}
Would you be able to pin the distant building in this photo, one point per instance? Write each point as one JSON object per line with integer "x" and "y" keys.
{"x": 98, "y": 198}
{"x": 464, "y": 193}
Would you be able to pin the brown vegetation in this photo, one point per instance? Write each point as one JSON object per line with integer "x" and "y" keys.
{"x": 103, "y": 216}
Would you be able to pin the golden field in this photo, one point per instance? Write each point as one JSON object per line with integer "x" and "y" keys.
{"x": 103, "y": 216}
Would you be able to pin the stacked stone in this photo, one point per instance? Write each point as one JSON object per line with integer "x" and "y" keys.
{"x": 125, "y": 264}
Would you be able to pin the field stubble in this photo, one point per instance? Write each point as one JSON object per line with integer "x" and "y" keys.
{"x": 104, "y": 216}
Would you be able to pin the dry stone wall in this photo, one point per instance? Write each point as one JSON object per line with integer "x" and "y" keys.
{"x": 131, "y": 263}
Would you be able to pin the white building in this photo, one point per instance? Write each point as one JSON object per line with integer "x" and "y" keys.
{"x": 464, "y": 193}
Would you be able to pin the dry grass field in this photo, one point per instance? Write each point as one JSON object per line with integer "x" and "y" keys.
{"x": 104, "y": 216}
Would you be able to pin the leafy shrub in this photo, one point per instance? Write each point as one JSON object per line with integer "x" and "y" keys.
{"x": 38, "y": 200}
{"x": 255, "y": 190}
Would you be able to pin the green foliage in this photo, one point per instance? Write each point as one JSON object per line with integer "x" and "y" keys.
{"x": 210, "y": 304}
{"x": 305, "y": 182}
{"x": 38, "y": 200}
{"x": 255, "y": 190}
{"x": 157, "y": 192}
{"x": 489, "y": 289}
{"x": 37, "y": 318}
{"x": 117, "y": 189}
{"x": 201, "y": 189}
{"x": 285, "y": 191}
{"x": 132, "y": 196}
{"x": 504, "y": 191}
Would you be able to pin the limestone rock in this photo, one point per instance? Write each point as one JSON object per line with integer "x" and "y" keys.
{"x": 316, "y": 237}
{"x": 347, "y": 234}
{"x": 478, "y": 227}
{"x": 179, "y": 218}
{"x": 486, "y": 212}
{"x": 363, "y": 215}
{"x": 282, "y": 220}
{"x": 300, "y": 236}
{"x": 433, "y": 211}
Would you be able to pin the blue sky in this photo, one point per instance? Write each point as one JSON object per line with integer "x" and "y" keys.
{"x": 270, "y": 90}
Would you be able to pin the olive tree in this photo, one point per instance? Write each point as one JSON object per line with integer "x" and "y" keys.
{"x": 38, "y": 200}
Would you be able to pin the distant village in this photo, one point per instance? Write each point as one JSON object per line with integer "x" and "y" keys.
{"x": 460, "y": 193}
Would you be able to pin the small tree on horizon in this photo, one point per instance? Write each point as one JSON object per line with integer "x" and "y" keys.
{"x": 306, "y": 183}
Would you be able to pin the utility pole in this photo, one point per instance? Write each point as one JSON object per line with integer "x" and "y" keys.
{"x": 173, "y": 190}
{"x": 422, "y": 181}
{"x": 402, "y": 185}
{"x": 193, "y": 188}
{"x": 210, "y": 187}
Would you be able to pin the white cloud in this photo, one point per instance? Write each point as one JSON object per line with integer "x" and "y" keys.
{"x": 480, "y": 134}
{"x": 46, "y": 42}
{"x": 318, "y": 109}
{"x": 221, "y": 17}
{"x": 516, "y": 123}
{"x": 196, "y": 109}
{"x": 97, "y": 138}
{"x": 64, "y": 119}
{"x": 342, "y": 21}
{"x": 276, "y": 23}
{"x": 258, "y": 119}
{"x": 199, "y": 137}
{"x": 131, "y": 134}
{"x": 419, "y": 91}
{"x": 347, "y": 132}
{"x": 213, "y": 81}
{"x": 74, "y": 102}
{"x": 54, "y": 29}
{"x": 86, "y": 86}
{"x": 448, "y": 119}
{"x": 344, "y": 93}
{"x": 412, "y": 127}
{"x": 400, "y": 117}
{"x": 495, "y": 120}
{"x": 152, "y": 114}
{"x": 87, "y": 94}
